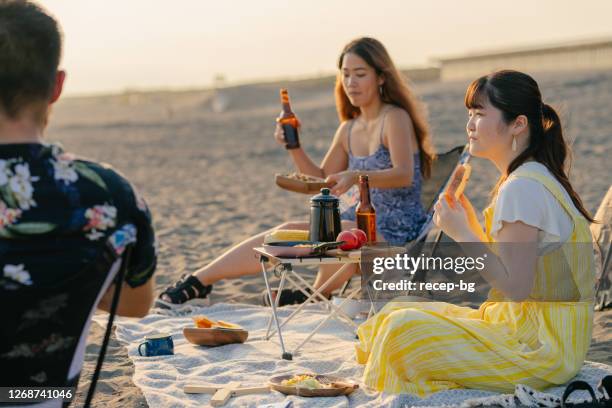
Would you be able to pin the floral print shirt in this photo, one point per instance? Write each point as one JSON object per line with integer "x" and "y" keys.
{"x": 60, "y": 215}
{"x": 58, "y": 209}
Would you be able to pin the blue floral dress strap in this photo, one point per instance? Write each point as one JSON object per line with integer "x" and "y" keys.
{"x": 350, "y": 128}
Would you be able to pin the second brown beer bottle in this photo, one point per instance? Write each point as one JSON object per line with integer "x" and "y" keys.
{"x": 288, "y": 121}
{"x": 365, "y": 212}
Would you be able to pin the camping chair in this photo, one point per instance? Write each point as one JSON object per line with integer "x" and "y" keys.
{"x": 441, "y": 170}
{"x": 53, "y": 310}
{"x": 602, "y": 236}
{"x": 109, "y": 325}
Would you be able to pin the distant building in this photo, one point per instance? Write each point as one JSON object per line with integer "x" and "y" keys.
{"x": 584, "y": 55}
{"x": 422, "y": 74}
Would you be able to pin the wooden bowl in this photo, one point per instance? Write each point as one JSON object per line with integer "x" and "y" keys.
{"x": 285, "y": 181}
{"x": 217, "y": 336}
{"x": 341, "y": 386}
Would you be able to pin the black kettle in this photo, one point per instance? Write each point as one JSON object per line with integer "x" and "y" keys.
{"x": 325, "y": 222}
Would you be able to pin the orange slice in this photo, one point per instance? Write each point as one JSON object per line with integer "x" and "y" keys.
{"x": 203, "y": 322}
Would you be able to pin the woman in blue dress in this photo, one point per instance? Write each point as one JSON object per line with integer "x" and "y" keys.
{"x": 383, "y": 133}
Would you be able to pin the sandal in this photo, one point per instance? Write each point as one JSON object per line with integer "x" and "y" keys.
{"x": 605, "y": 387}
{"x": 186, "y": 288}
{"x": 287, "y": 297}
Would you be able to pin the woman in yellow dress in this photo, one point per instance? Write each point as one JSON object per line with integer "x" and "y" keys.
{"x": 535, "y": 327}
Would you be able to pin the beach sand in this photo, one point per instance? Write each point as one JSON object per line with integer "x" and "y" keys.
{"x": 209, "y": 177}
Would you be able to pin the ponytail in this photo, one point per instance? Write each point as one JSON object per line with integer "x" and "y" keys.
{"x": 552, "y": 151}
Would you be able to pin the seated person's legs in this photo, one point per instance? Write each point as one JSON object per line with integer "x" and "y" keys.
{"x": 240, "y": 260}
{"x": 327, "y": 271}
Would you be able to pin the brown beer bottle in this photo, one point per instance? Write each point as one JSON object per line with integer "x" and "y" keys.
{"x": 366, "y": 214}
{"x": 288, "y": 122}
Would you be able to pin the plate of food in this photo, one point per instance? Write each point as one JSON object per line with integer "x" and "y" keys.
{"x": 312, "y": 385}
{"x": 301, "y": 183}
{"x": 208, "y": 332}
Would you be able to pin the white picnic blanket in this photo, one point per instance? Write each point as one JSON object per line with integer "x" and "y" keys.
{"x": 331, "y": 351}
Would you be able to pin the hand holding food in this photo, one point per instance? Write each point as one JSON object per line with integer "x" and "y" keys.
{"x": 453, "y": 220}
{"x": 457, "y": 184}
{"x": 341, "y": 182}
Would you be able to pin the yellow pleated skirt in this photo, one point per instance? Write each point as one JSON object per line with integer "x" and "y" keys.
{"x": 421, "y": 348}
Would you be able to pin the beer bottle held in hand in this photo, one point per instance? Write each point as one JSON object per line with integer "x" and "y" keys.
{"x": 288, "y": 122}
{"x": 365, "y": 212}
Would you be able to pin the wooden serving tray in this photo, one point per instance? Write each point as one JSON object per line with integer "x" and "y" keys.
{"x": 310, "y": 186}
{"x": 341, "y": 386}
{"x": 216, "y": 336}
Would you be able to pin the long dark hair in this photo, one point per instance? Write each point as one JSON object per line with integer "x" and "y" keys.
{"x": 515, "y": 93}
{"x": 395, "y": 91}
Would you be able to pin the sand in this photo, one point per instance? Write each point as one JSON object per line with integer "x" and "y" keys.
{"x": 208, "y": 176}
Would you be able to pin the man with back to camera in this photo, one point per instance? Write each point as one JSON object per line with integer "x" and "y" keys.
{"x": 58, "y": 216}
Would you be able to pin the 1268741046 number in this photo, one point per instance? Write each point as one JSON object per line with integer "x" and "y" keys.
{"x": 35, "y": 394}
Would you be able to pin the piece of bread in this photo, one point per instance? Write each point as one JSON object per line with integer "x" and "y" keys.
{"x": 459, "y": 180}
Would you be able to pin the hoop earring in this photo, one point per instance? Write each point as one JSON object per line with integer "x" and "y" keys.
{"x": 514, "y": 143}
{"x": 380, "y": 90}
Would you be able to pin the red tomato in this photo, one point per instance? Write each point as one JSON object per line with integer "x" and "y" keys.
{"x": 350, "y": 240}
{"x": 361, "y": 236}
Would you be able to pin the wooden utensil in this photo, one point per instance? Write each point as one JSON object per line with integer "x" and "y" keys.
{"x": 222, "y": 393}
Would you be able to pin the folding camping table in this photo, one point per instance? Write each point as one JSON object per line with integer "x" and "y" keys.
{"x": 284, "y": 267}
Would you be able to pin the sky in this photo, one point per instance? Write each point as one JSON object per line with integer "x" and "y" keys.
{"x": 115, "y": 45}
